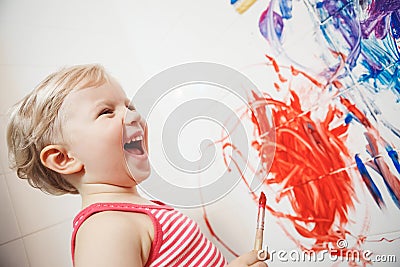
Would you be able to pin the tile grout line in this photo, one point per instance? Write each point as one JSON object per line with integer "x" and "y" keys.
{"x": 17, "y": 222}
{"x": 26, "y": 252}
{"x": 37, "y": 231}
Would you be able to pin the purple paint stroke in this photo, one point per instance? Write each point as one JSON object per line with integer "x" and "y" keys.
{"x": 380, "y": 57}
{"x": 380, "y": 12}
{"x": 270, "y": 31}
{"x": 271, "y": 26}
{"x": 344, "y": 20}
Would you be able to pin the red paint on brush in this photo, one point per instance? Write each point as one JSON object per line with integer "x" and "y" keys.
{"x": 262, "y": 201}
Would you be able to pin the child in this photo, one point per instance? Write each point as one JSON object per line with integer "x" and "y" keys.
{"x": 76, "y": 133}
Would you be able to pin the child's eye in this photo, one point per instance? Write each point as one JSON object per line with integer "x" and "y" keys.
{"x": 105, "y": 112}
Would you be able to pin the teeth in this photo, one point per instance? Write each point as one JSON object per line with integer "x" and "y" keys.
{"x": 137, "y": 138}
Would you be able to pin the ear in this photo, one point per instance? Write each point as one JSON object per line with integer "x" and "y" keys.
{"x": 56, "y": 158}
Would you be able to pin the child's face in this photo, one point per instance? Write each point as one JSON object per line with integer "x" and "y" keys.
{"x": 99, "y": 125}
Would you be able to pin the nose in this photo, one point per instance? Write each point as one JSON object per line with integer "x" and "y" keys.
{"x": 132, "y": 116}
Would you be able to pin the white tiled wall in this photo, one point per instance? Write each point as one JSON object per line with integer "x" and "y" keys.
{"x": 134, "y": 40}
{"x": 36, "y": 38}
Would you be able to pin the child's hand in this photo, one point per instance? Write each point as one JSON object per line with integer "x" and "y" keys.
{"x": 248, "y": 259}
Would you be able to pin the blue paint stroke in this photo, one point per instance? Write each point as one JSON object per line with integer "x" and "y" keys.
{"x": 377, "y": 54}
{"x": 383, "y": 170}
{"x": 390, "y": 126}
{"x": 349, "y": 117}
{"x": 366, "y": 177}
{"x": 394, "y": 156}
{"x": 395, "y": 24}
{"x": 369, "y": 45}
{"x": 286, "y": 8}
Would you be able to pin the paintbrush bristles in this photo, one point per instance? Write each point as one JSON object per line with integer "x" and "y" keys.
{"x": 262, "y": 201}
{"x": 260, "y": 222}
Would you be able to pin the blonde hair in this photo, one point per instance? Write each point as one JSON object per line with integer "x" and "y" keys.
{"x": 35, "y": 123}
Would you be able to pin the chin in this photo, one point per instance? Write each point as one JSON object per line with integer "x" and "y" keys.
{"x": 140, "y": 176}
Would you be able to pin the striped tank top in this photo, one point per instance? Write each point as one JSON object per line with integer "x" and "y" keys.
{"x": 177, "y": 241}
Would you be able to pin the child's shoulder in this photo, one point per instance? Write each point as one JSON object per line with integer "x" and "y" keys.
{"x": 114, "y": 233}
{"x": 110, "y": 219}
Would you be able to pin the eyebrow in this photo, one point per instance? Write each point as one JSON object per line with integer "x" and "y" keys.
{"x": 97, "y": 106}
{"x": 105, "y": 102}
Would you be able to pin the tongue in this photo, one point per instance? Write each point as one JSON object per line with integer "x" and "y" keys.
{"x": 135, "y": 151}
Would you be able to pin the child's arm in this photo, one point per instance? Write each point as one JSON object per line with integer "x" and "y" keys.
{"x": 247, "y": 259}
{"x": 113, "y": 239}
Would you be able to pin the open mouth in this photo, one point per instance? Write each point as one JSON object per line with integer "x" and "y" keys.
{"x": 135, "y": 145}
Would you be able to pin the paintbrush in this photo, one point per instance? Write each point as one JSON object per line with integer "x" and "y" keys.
{"x": 260, "y": 222}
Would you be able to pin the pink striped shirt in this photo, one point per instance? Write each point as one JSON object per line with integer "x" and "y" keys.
{"x": 177, "y": 241}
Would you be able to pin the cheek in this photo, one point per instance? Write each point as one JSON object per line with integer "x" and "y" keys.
{"x": 110, "y": 138}
{"x": 104, "y": 141}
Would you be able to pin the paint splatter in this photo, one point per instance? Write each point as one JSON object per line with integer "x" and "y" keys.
{"x": 308, "y": 156}
{"x": 376, "y": 58}
{"x": 313, "y": 165}
{"x": 381, "y": 14}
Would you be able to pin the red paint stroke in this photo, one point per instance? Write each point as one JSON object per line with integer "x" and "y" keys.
{"x": 213, "y": 234}
{"x": 296, "y": 72}
{"x": 334, "y": 76}
{"x": 277, "y": 87}
{"x": 276, "y": 68}
{"x": 356, "y": 112}
{"x": 310, "y": 163}
{"x": 306, "y": 153}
